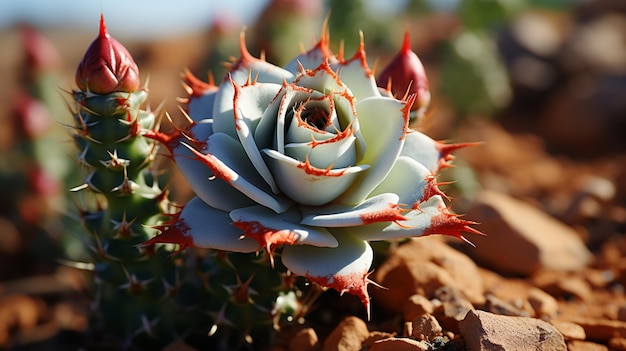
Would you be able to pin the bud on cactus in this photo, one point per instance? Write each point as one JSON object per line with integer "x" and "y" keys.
{"x": 33, "y": 118}
{"x": 107, "y": 66}
{"x": 40, "y": 53}
{"x": 405, "y": 75}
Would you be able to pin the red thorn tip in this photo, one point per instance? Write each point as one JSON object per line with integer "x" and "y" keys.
{"x": 406, "y": 43}
{"x": 432, "y": 188}
{"x": 323, "y": 45}
{"x": 447, "y": 149}
{"x": 198, "y": 87}
{"x": 354, "y": 284}
{"x": 246, "y": 56}
{"x": 390, "y": 214}
{"x": 447, "y": 223}
{"x": 103, "y": 27}
{"x": 168, "y": 140}
{"x": 174, "y": 234}
{"x": 241, "y": 292}
{"x": 267, "y": 238}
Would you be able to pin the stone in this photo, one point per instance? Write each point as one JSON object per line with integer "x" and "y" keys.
{"x": 499, "y": 306}
{"x": 426, "y": 327}
{"x": 565, "y": 285}
{"x": 416, "y": 306}
{"x": 407, "y": 329}
{"x": 601, "y": 330}
{"x": 453, "y": 308}
{"x": 617, "y": 343}
{"x": 349, "y": 335}
{"x": 569, "y": 330}
{"x": 21, "y": 311}
{"x": 543, "y": 303}
{"x": 454, "y": 302}
{"x": 511, "y": 290}
{"x": 461, "y": 267}
{"x": 406, "y": 279}
{"x": 521, "y": 239}
{"x": 304, "y": 340}
{"x": 484, "y": 331}
{"x": 375, "y": 336}
{"x": 579, "y": 345}
{"x": 599, "y": 278}
{"x": 621, "y": 313}
{"x": 399, "y": 344}
{"x": 422, "y": 266}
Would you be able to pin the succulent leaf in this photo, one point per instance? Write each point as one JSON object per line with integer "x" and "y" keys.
{"x": 200, "y": 225}
{"x": 343, "y": 268}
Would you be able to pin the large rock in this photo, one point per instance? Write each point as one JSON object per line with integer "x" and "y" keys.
{"x": 520, "y": 239}
{"x": 424, "y": 265}
{"x": 484, "y": 331}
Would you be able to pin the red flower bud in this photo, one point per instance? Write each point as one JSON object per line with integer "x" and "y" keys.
{"x": 33, "y": 118}
{"x": 40, "y": 53}
{"x": 405, "y": 75}
{"x": 107, "y": 66}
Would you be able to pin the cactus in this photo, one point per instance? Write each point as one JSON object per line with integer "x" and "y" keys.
{"x": 145, "y": 294}
{"x": 30, "y": 177}
{"x": 123, "y": 191}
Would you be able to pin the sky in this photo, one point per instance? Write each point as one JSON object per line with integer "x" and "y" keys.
{"x": 143, "y": 18}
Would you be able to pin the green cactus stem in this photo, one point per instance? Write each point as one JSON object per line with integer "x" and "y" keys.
{"x": 145, "y": 295}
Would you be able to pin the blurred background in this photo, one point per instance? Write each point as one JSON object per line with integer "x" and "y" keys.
{"x": 541, "y": 82}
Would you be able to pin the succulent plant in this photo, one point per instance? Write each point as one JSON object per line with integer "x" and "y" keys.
{"x": 309, "y": 163}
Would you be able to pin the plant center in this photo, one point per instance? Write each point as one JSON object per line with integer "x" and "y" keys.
{"x": 315, "y": 117}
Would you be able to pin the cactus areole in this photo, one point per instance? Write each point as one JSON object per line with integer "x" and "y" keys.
{"x": 107, "y": 66}
{"x": 312, "y": 159}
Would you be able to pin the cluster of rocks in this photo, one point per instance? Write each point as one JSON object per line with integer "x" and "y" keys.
{"x": 537, "y": 288}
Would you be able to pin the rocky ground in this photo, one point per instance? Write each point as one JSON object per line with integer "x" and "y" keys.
{"x": 547, "y": 187}
{"x": 548, "y": 275}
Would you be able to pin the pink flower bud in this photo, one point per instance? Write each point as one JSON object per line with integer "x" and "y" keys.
{"x": 107, "y": 66}
{"x": 32, "y": 117}
{"x": 405, "y": 75}
{"x": 40, "y": 53}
